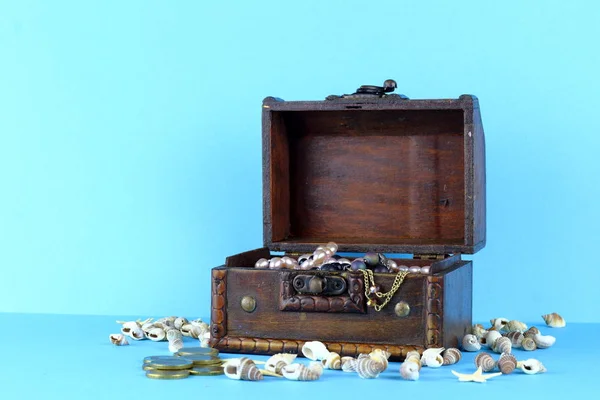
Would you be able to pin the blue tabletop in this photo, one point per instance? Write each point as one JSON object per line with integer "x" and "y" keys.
{"x": 68, "y": 357}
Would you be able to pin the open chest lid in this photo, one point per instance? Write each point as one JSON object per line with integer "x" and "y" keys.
{"x": 374, "y": 172}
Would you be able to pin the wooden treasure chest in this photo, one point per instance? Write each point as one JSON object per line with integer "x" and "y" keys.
{"x": 368, "y": 172}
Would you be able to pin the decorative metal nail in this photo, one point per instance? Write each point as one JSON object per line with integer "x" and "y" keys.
{"x": 402, "y": 309}
{"x": 248, "y": 304}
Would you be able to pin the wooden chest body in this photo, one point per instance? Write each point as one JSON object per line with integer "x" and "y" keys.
{"x": 383, "y": 174}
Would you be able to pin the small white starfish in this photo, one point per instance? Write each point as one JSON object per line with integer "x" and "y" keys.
{"x": 477, "y": 376}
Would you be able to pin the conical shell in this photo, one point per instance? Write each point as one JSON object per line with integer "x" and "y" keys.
{"x": 503, "y": 345}
{"x": 242, "y": 369}
{"x": 470, "y": 343}
{"x": 515, "y": 338}
{"x": 348, "y": 364}
{"x": 554, "y": 320}
{"x": 179, "y": 322}
{"x": 156, "y": 334}
{"x": 533, "y": 330}
{"x": 175, "y": 345}
{"x": 409, "y": 370}
{"x": 173, "y": 334}
{"x": 485, "y": 361}
{"x": 413, "y": 353}
{"x": 196, "y": 331}
{"x": 491, "y": 337}
{"x": 316, "y": 367}
{"x": 276, "y": 362}
{"x": 118, "y": 339}
{"x": 315, "y": 351}
{"x": 514, "y": 326}
{"x": 507, "y": 363}
{"x": 362, "y": 355}
{"x": 528, "y": 344}
{"x": 381, "y": 356}
{"x": 299, "y": 372}
{"x": 531, "y": 366}
{"x": 543, "y": 342}
{"x": 451, "y": 356}
{"x": 368, "y": 368}
{"x": 333, "y": 361}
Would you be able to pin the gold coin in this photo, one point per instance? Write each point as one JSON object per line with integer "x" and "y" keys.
{"x": 159, "y": 358}
{"x": 176, "y": 364}
{"x": 201, "y": 359}
{"x": 162, "y": 374}
{"x": 207, "y": 370}
{"x": 209, "y": 351}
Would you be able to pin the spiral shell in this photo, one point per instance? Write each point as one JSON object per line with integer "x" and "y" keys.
{"x": 491, "y": 337}
{"x": 531, "y": 366}
{"x": 299, "y": 372}
{"x": 381, "y": 356}
{"x": 514, "y": 326}
{"x": 415, "y": 357}
{"x": 173, "y": 334}
{"x": 348, "y": 364}
{"x": 479, "y": 331}
{"x": 118, "y": 339}
{"x": 133, "y": 329}
{"x": 368, "y": 368}
{"x": 515, "y": 338}
{"x": 507, "y": 363}
{"x": 543, "y": 342}
{"x": 485, "y": 361}
{"x": 409, "y": 370}
{"x": 242, "y": 369}
{"x": 179, "y": 322}
{"x": 528, "y": 344}
{"x": 451, "y": 356}
{"x": 175, "y": 345}
{"x": 276, "y": 362}
{"x": 470, "y": 343}
{"x": 503, "y": 345}
{"x": 315, "y": 351}
{"x": 197, "y": 331}
{"x": 499, "y": 323}
{"x": 333, "y": 361}
{"x": 156, "y": 334}
{"x": 554, "y": 320}
{"x": 533, "y": 330}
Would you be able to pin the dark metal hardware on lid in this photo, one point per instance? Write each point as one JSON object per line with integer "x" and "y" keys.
{"x": 311, "y": 284}
{"x": 371, "y": 91}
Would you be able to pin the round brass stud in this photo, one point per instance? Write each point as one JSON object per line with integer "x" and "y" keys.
{"x": 402, "y": 309}
{"x": 248, "y": 304}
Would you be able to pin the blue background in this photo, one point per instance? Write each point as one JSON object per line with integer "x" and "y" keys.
{"x": 130, "y": 151}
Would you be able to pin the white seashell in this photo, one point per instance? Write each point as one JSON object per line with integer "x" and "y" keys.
{"x": 516, "y": 338}
{"x": 368, "y": 368}
{"x": 242, "y": 369}
{"x": 332, "y": 361}
{"x": 179, "y": 322}
{"x": 315, "y": 351}
{"x": 498, "y": 323}
{"x": 433, "y": 360}
{"x": 299, "y": 372}
{"x": 348, "y": 364}
{"x": 316, "y": 367}
{"x": 491, "y": 337}
{"x": 543, "y": 342}
{"x": 276, "y": 362}
{"x": 149, "y": 325}
{"x": 204, "y": 339}
{"x": 381, "y": 356}
{"x": 531, "y": 366}
{"x": 514, "y": 326}
{"x": 409, "y": 370}
{"x": 528, "y": 344}
{"x": 118, "y": 339}
{"x": 186, "y": 329}
{"x": 200, "y": 323}
{"x": 197, "y": 331}
{"x": 156, "y": 334}
{"x": 133, "y": 329}
{"x": 451, "y": 356}
{"x": 479, "y": 331}
{"x": 554, "y": 320}
{"x": 503, "y": 345}
{"x": 175, "y": 345}
{"x": 173, "y": 334}
{"x": 470, "y": 343}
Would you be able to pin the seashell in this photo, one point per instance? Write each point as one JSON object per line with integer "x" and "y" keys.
{"x": 503, "y": 345}
{"x": 528, "y": 344}
{"x": 554, "y": 320}
{"x": 332, "y": 361}
{"x": 276, "y": 362}
{"x": 149, "y": 325}
{"x": 299, "y": 372}
{"x": 451, "y": 356}
{"x": 204, "y": 339}
{"x": 118, "y": 339}
{"x": 316, "y": 367}
{"x": 349, "y": 364}
{"x": 175, "y": 345}
{"x": 515, "y": 338}
{"x": 179, "y": 322}
{"x": 315, "y": 351}
{"x": 156, "y": 334}
{"x": 514, "y": 326}
{"x": 507, "y": 363}
{"x": 362, "y": 355}
{"x": 186, "y": 329}
{"x": 368, "y": 368}
{"x": 133, "y": 329}
{"x": 197, "y": 331}
{"x": 470, "y": 343}
{"x": 381, "y": 356}
{"x": 485, "y": 361}
{"x": 242, "y": 369}
{"x": 479, "y": 331}
{"x": 531, "y": 366}
{"x": 499, "y": 323}
{"x": 491, "y": 337}
{"x": 432, "y": 360}
{"x": 409, "y": 370}
{"x": 262, "y": 263}
{"x": 173, "y": 334}
{"x": 543, "y": 342}
{"x": 533, "y": 330}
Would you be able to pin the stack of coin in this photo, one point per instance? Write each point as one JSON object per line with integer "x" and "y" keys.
{"x": 194, "y": 361}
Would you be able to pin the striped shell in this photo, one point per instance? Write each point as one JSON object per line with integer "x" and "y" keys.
{"x": 470, "y": 343}
{"x": 415, "y": 357}
{"x": 300, "y": 372}
{"x": 368, "y": 368}
{"x": 479, "y": 331}
{"x": 381, "y": 356}
{"x": 491, "y": 337}
{"x": 528, "y": 344}
{"x": 485, "y": 361}
{"x": 242, "y": 369}
{"x": 533, "y": 330}
{"x": 276, "y": 362}
{"x": 409, "y": 370}
{"x": 507, "y": 363}
{"x": 515, "y": 338}
{"x": 554, "y": 320}
{"x": 451, "y": 356}
{"x": 175, "y": 345}
{"x": 348, "y": 364}
{"x": 332, "y": 361}
{"x": 173, "y": 334}
{"x": 514, "y": 326}
{"x": 543, "y": 342}
{"x": 503, "y": 345}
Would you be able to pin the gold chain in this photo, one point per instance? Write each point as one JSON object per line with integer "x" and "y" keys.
{"x": 370, "y": 282}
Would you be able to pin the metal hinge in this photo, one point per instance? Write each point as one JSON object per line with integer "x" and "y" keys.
{"x": 430, "y": 256}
